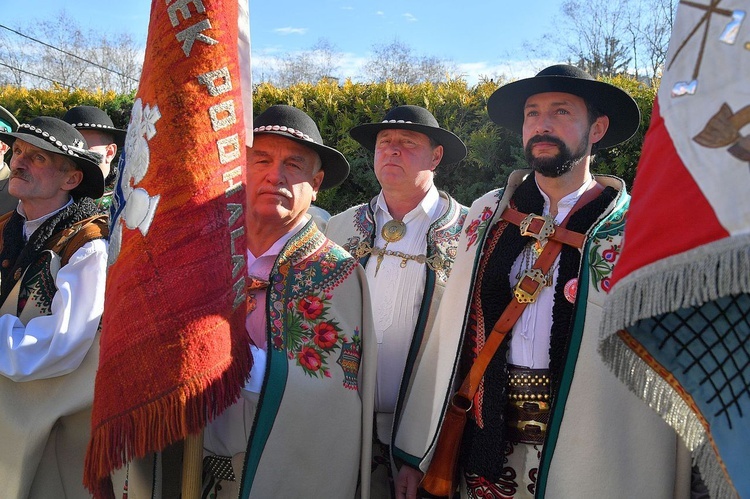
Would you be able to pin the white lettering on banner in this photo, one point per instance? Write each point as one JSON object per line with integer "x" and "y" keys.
{"x": 229, "y": 177}
{"x": 183, "y": 7}
{"x": 221, "y": 115}
{"x": 235, "y": 211}
{"x": 189, "y": 36}
{"x": 229, "y": 148}
{"x": 210, "y": 81}
{"x": 236, "y": 234}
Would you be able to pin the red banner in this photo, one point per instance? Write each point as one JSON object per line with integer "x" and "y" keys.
{"x": 676, "y": 324}
{"x": 174, "y": 351}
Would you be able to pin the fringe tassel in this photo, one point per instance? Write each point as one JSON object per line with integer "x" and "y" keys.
{"x": 661, "y": 397}
{"x": 150, "y": 428}
{"x": 685, "y": 280}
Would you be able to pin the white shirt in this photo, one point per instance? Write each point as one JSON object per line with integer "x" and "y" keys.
{"x": 55, "y": 344}
{"x": 397, "y": 292}
{"x": 227, "y": 435}
{"x": 530, "y": 340}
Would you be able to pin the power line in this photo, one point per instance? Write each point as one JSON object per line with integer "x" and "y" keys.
{"x": 34, "y": 74}
{"x": 68, "y": 53}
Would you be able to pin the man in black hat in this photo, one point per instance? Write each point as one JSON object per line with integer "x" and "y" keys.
{"x": 406, "y": 238}
{"x": 102, "y": 137}
{"x": 546, "y": 418}
{"x": 298, "y": 429}
{"x": 8, "y": 123}
{"x": 53, "y": 261}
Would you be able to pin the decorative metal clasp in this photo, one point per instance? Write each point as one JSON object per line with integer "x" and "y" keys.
{"x": 524, "y": 296}
{"x": 436, "y": 263}
{"x": 363, "y": 249}
{"x": 548, "y": 226}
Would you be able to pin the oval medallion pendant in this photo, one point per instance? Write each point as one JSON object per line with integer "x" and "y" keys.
{"x": 393, "y": 231}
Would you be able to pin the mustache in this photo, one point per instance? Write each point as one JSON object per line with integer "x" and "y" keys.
{"x": 281, "y": 191}
{"x": 544, "y": 138}
{"x": 19, "y": 174}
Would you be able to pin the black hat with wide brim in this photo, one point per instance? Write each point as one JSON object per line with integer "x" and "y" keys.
{"x": 417, "y": 119}
{"x": 56, "y": 136}
{"x": 295, "y": 124}
{"x": 8, "y": 120}
{"x": 93, "y": 118}
{"x": 506, "y": 105}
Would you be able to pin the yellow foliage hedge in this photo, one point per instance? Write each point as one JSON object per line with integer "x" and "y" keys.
{"x": 493, "y": 151}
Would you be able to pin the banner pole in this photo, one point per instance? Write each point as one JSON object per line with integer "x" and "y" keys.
{"x": 192, "y": 466}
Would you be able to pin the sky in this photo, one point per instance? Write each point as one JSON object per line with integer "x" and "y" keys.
{"x": 485, "y": 38}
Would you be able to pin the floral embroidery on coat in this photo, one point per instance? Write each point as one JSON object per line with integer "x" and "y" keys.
{"x": 604, "y": 250}
{"x": 311, "y": 334}
{"x": 475, "y": 230}
{"x": 349, "y": 358}
{"x": 364, "y": 226}
{"x": 300, "y": 306}
{"x": 443, "y": 241}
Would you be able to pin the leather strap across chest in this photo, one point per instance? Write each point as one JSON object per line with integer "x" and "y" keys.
{"x": 529, "y": 286}
{"x": 440, "y": 479}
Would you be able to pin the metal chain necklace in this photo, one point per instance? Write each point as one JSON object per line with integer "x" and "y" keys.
{"x": 528, "y": 257}
{"x": 392, "y": 231}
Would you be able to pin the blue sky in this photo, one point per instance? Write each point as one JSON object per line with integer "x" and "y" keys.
{"x": 481, "y": 38}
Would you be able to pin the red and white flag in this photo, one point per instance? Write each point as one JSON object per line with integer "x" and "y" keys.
{"x": 174, "y": 351}
{"x": 676, "y": 327}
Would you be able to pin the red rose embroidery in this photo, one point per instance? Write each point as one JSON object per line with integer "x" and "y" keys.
{"x": 611, "y": 254}
{"x": 326, "y": 335}
{"x": 309, "y": 359}
{"x": 311, "y": 307}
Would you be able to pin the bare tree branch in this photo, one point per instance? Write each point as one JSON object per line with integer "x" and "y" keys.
{"x": 397, "y": 62}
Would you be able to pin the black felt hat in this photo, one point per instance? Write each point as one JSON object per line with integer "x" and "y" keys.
{"x": 56, "y": 136}
{"x": 8, "y": 122}
{"x": 93, "y": 118}
{"x": 296, "y": 125}
{"x": 417, "y": 119}
{"x": 505, "y": 106}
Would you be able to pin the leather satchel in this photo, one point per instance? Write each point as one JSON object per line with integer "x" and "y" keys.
{"x": 441, "y": 477}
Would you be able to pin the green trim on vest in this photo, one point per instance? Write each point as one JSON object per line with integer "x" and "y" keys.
{"x": 416, "y": 344}
{"x": 277, "y": 371}
{"x": 557, "y": 411}
{"x": 574, "y": 348}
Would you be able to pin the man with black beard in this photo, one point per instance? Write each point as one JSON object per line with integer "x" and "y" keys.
{"x": 546, "y": 417}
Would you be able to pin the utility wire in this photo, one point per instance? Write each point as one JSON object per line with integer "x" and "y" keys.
{"x": 34, "y": 74}
{"x": 68, "y": 53}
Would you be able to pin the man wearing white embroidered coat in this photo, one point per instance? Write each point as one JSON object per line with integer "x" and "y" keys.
{"x": 51, "y": 301}
{"x": 406, "y": 239}
{"x": 581, "y": 435}
{"x": 298, "y": 430}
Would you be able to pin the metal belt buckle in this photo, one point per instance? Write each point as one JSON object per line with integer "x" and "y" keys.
{"x": 524, "y": 296}
{"x": 548, "y": 226}
{"x": 532, "y": 427}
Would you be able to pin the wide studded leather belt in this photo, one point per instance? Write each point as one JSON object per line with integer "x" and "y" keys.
{"x": 527, "y": 412}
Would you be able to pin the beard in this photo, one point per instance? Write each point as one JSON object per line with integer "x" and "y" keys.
{"x": 557, "y": 165}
